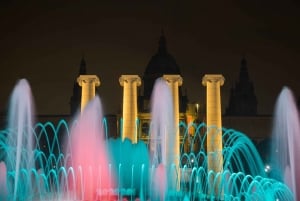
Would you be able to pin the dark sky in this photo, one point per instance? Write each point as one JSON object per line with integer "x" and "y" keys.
{"x": 43, "y": 41}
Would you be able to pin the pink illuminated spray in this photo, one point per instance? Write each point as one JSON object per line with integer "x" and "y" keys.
{"x": 88, "y": 156}
{"x": 3, "y": 188}
{"x": 160, "y": 183}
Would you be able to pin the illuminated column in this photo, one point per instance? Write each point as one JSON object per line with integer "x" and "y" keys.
{"x": 214, "y": 127}
{"x": 88, "y": 84}
{"x": 129, "y": 127}
{"x": 174, "y": 81}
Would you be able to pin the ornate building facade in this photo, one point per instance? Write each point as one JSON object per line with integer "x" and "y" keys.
{"x": 241, "y": 112}
{"x": 160, "y": 64}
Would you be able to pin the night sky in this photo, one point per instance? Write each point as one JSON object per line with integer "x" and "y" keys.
{"x": 44, "y": 41}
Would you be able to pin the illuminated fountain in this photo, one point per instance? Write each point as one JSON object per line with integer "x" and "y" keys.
{"x": 20, "y": 152}
{"x": 286, "y": 142}
{"x": 88, "y": 167}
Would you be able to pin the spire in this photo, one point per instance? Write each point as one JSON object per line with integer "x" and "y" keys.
{"x": 75, "y": 100}
{"x": 244, "y": 76}
{"x": 242, "y": 100}
{"x": 82, "y": 69}
{"x": 162, "y": 49}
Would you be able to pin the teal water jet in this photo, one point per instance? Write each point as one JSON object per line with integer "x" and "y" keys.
{"x": 19, "y": 137}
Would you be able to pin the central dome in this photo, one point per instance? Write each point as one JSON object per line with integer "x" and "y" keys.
{"x": 162, "y": 62}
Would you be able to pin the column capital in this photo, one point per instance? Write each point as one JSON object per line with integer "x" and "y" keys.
{"x": 213, "y": 78}
{"x": 130, "y": 78}
{"x": 173, "y": 78}
{"x": 88, "y": 79}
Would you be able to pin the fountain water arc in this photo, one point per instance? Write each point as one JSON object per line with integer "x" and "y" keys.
{"x": 125, "y": 171}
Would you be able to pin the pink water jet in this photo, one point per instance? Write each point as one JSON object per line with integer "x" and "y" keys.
{"x": 88, "y": 156}
{"x": 160, "y": 182}
{"x": 3, "y": 187}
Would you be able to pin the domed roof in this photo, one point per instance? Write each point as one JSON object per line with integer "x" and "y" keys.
{"x": 162, "y": 62}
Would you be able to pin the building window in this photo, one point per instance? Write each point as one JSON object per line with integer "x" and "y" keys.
{"x": 145, "y": 129}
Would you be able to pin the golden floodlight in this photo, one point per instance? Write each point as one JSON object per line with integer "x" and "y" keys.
{"x": 174, "y": 81}
{"x": 214, "y": 126}
{"x": 129, "y": 126}
{"x": 88, "y": 84}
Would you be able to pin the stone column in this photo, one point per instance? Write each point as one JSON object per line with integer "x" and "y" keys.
{"x": 214, "y": 128}
{"x": 129, "y": 127}
{"x": 88, "y": 84}
{"x": 174, "y": 81}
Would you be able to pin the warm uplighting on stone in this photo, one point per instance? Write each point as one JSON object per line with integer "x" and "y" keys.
{"x": 214, "y": 123}
{"x": 88, "y": 84}
{"x": 129, "y": 126}
{"x": 174, "y": 81}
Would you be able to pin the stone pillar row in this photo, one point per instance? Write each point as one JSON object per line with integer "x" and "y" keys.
{"x": 213, "y": 82}
{"x": 130, "y": 84}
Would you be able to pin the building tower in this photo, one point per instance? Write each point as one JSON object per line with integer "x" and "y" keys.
{"x": 76, "y": 96}
{"x": 242, "y": 100}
